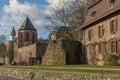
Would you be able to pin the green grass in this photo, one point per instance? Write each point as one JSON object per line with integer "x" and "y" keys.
{"x": 64, "y": 66}
{"x": 80, "y": 66}
{"x": 71, "y": 68}
{"x": 92, "y": 66}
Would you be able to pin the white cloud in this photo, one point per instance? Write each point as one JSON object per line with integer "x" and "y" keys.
{"x": 53, "y": 3}
{"x": 56, "y": 3}
{"x": 15, "y": 12}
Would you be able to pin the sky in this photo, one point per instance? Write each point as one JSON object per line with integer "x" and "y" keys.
{"x": 14, "y": 12}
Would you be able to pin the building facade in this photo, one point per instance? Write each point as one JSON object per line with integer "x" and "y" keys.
{"x": 101, "y": 31}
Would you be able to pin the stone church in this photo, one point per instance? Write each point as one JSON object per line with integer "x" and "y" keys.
{"x": 101, "y": 31}
{"x": 25, "y": 47}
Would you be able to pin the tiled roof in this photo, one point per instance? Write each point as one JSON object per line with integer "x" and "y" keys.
{"x": 27, "y": 25}
{"x": 102, "y": 9}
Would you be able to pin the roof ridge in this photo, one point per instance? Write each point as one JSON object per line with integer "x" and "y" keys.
{"x": 27, "y": 25}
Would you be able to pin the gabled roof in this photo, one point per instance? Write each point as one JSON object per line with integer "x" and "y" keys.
{"x": 102, "y": 9}
{"x": 27, "y": 25}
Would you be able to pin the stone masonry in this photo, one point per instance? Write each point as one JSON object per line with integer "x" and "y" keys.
{"x": 62, "y": 52}
{"x": 26, "y": 74}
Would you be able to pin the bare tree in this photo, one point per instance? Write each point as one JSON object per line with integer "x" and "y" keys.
{"x": 61, "y": 17}
{"x": 3, "y": 52}
{"x": 2, "y": 47}
{"x": 70, "y": 15}
{"x": 91, "y": 2}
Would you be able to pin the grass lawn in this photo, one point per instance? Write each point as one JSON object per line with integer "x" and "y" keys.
{"x": 73, "y": 68}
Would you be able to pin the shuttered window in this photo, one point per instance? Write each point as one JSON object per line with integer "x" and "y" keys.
{"x": 113, "y": 26}
{"x": 101, "y": 31}
{"x": 100, "y": 48}
{"x": 90, "y": 34}
{"x": 113, "y": 47}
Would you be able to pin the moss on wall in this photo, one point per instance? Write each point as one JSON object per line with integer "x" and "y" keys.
{"x": 62, "y": 52}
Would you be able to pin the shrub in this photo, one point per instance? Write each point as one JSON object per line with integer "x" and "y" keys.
{"x": 112, "y": 60}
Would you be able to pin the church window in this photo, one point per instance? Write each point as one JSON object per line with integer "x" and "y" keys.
{"x": 21, "y": 36}
{"x": 33, "y": 37}
{"x": 27, "y": 36}
{"x": 113, "y": 26}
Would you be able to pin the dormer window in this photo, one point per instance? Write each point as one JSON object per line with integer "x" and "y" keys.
{"x": 93, "y": 14}
{"x": 111, "y": 2}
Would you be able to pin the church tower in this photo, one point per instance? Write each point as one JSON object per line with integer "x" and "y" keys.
{"x": 27, "y": 34}
{"x": 13, "y": 34}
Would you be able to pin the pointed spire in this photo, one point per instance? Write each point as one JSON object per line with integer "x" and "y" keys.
{"x": 13, "y": 32}
{"x": 27, "y": 25}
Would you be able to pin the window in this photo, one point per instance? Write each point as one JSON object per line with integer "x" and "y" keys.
{"x": 90, "y": 34}
{"x": 33, "y": 37}
{"x": 106, "y": 48}
{"x": 100, "y": 48}
{"x": 21, "y": 36}
{"x": 111, "y": 3}
{"x": 113, "y": 26}
{"x": 93, "y": 14}
{"x": 113, "y": 47}
{"x": 27, "y": 36}
{"x": 101, "y": 31}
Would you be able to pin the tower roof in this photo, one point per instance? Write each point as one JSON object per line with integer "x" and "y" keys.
{"x": 27, "y": 25}
{"x": 13, "y": 32}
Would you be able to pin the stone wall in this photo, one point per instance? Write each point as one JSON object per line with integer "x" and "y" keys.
{"x": 23, "y": 74}
{"x": 60, "y": 52}
{"x": 10, "y": 51}
{"x": 24, "y": 53}
{"x": 54, "y": 55}
{"x": 28, "y": 54}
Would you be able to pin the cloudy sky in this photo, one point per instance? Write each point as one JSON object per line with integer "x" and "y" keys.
{"x": 14, "y": 12}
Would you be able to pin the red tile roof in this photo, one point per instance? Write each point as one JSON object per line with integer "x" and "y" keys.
{"x": 102, "y": 9}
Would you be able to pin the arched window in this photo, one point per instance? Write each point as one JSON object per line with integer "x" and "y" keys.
{"x": 27, "y": 36}
{"x": 33, "y": 37}
{"x": 21, "y": 36}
